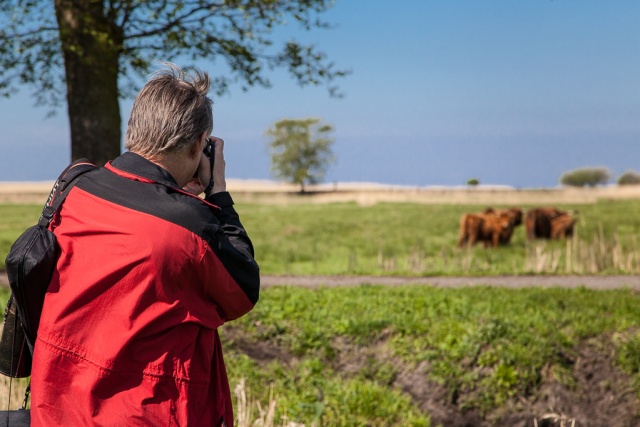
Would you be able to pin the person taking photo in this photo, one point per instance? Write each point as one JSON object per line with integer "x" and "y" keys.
{"x": 147, "y": 272}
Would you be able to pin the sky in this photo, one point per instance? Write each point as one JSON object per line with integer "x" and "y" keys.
{"x": 509, "y": 92}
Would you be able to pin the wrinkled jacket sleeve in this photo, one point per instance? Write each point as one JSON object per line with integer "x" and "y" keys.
{"x": 233, "y": 277}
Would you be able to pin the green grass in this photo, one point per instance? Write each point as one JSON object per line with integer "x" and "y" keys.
{"x": 416, "y": 240}
{"x": 487, "y": 345}
{"x": 408, "y": 239}
{"x": 310, "y": 392}
{"x": 14, "y": 219}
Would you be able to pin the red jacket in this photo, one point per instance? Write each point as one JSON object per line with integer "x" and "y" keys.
{"x": 147, "y": 273}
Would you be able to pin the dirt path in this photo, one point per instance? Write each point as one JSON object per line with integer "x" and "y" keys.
{"x": 589, "y": 282}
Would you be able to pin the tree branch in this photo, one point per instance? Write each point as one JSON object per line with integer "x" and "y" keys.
{"x": 179, "y": 20}
{"x": 40, "y": 30}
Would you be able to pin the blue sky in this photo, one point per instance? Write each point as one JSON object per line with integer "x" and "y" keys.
{"x": 510, "y": 92}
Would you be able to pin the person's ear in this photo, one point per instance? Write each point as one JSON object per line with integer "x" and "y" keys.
{"x": 198, "y": 146}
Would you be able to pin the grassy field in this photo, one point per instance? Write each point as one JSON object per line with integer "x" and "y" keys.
{"x": 420, "y": 356}
{"x": 486, "y": 346}
{"x": 350, "y": 356}
{"x": 410, "y": 240}
{"x": 14, "y": 220}
{"x": 417, "y": 240}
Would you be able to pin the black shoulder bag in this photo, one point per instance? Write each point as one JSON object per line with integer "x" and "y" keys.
{"x": 30, "y": 264}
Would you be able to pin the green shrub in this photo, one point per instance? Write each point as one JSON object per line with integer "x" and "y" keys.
{"x": 586, "y": 176}
{"x": 473, "y": 182}
{"x": 629, "y": 178}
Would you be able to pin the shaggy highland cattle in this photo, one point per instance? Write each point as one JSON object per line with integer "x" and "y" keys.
{"x": 548, "y": 223}
{"x": 515, "y": 214}
{"x": 492, "y": 227}
{"x": 562, "y": 226}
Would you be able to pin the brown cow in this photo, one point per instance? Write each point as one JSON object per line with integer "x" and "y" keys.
{"x": 515, "y": 218}
{"x": 538, "y": 222}
{"x": 487, "y": 227}
{"x": 514, "y": 213}
{"x": 562, "y": 226}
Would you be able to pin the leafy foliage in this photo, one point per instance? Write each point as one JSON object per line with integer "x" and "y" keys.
{"x": 96, "y": 51}
{"x": 300, "y": 150}
{"x": 30, "y": 50}
{"x": 586, "y": 177}
{"x": 238, "y": 32}
{"x": 629, "y": 178}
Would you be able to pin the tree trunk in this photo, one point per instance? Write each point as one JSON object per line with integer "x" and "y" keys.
{"x": 91, "y": 46}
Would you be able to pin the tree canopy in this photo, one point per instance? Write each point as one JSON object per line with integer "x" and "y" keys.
{"x": 300, "y": 150}
{"x": 92, "y": 52}
{"x": 629, "y": 178}
{"x": 586, "y": 177}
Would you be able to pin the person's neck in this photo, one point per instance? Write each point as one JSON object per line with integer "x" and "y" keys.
{"x": 174, "y": 165}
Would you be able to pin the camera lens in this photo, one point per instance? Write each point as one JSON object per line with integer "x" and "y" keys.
{"x": 208, "y": 149}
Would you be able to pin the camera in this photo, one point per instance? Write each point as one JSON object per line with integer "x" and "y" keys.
{"x": 209, "y": 149}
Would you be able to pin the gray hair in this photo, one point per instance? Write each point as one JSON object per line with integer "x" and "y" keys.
{"x": 171, "y": 111}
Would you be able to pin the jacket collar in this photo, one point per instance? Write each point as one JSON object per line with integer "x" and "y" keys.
{"x": 136, "y": 164}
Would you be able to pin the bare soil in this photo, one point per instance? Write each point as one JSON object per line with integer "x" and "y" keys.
{"x": 550, "y": 281}
{"x": 602, "y": 395}
{"x": 589, "y": 282}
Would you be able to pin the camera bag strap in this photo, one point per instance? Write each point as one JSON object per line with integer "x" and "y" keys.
{"x": 62, "y": 187}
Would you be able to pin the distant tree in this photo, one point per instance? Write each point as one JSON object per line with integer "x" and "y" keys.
{"x": 300, "y": 150}
{"x": 473, "y": 182}
{"x": 586, "y": 177}
{"x": 629, "y": 178}
{"x": 92, "y": 50}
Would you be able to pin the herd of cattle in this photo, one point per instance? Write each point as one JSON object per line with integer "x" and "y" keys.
{"x": 495, "y": 227}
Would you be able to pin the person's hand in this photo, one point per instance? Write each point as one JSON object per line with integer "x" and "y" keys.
{"x": 194, "y": 186}
{"x": 204, "y": 170}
